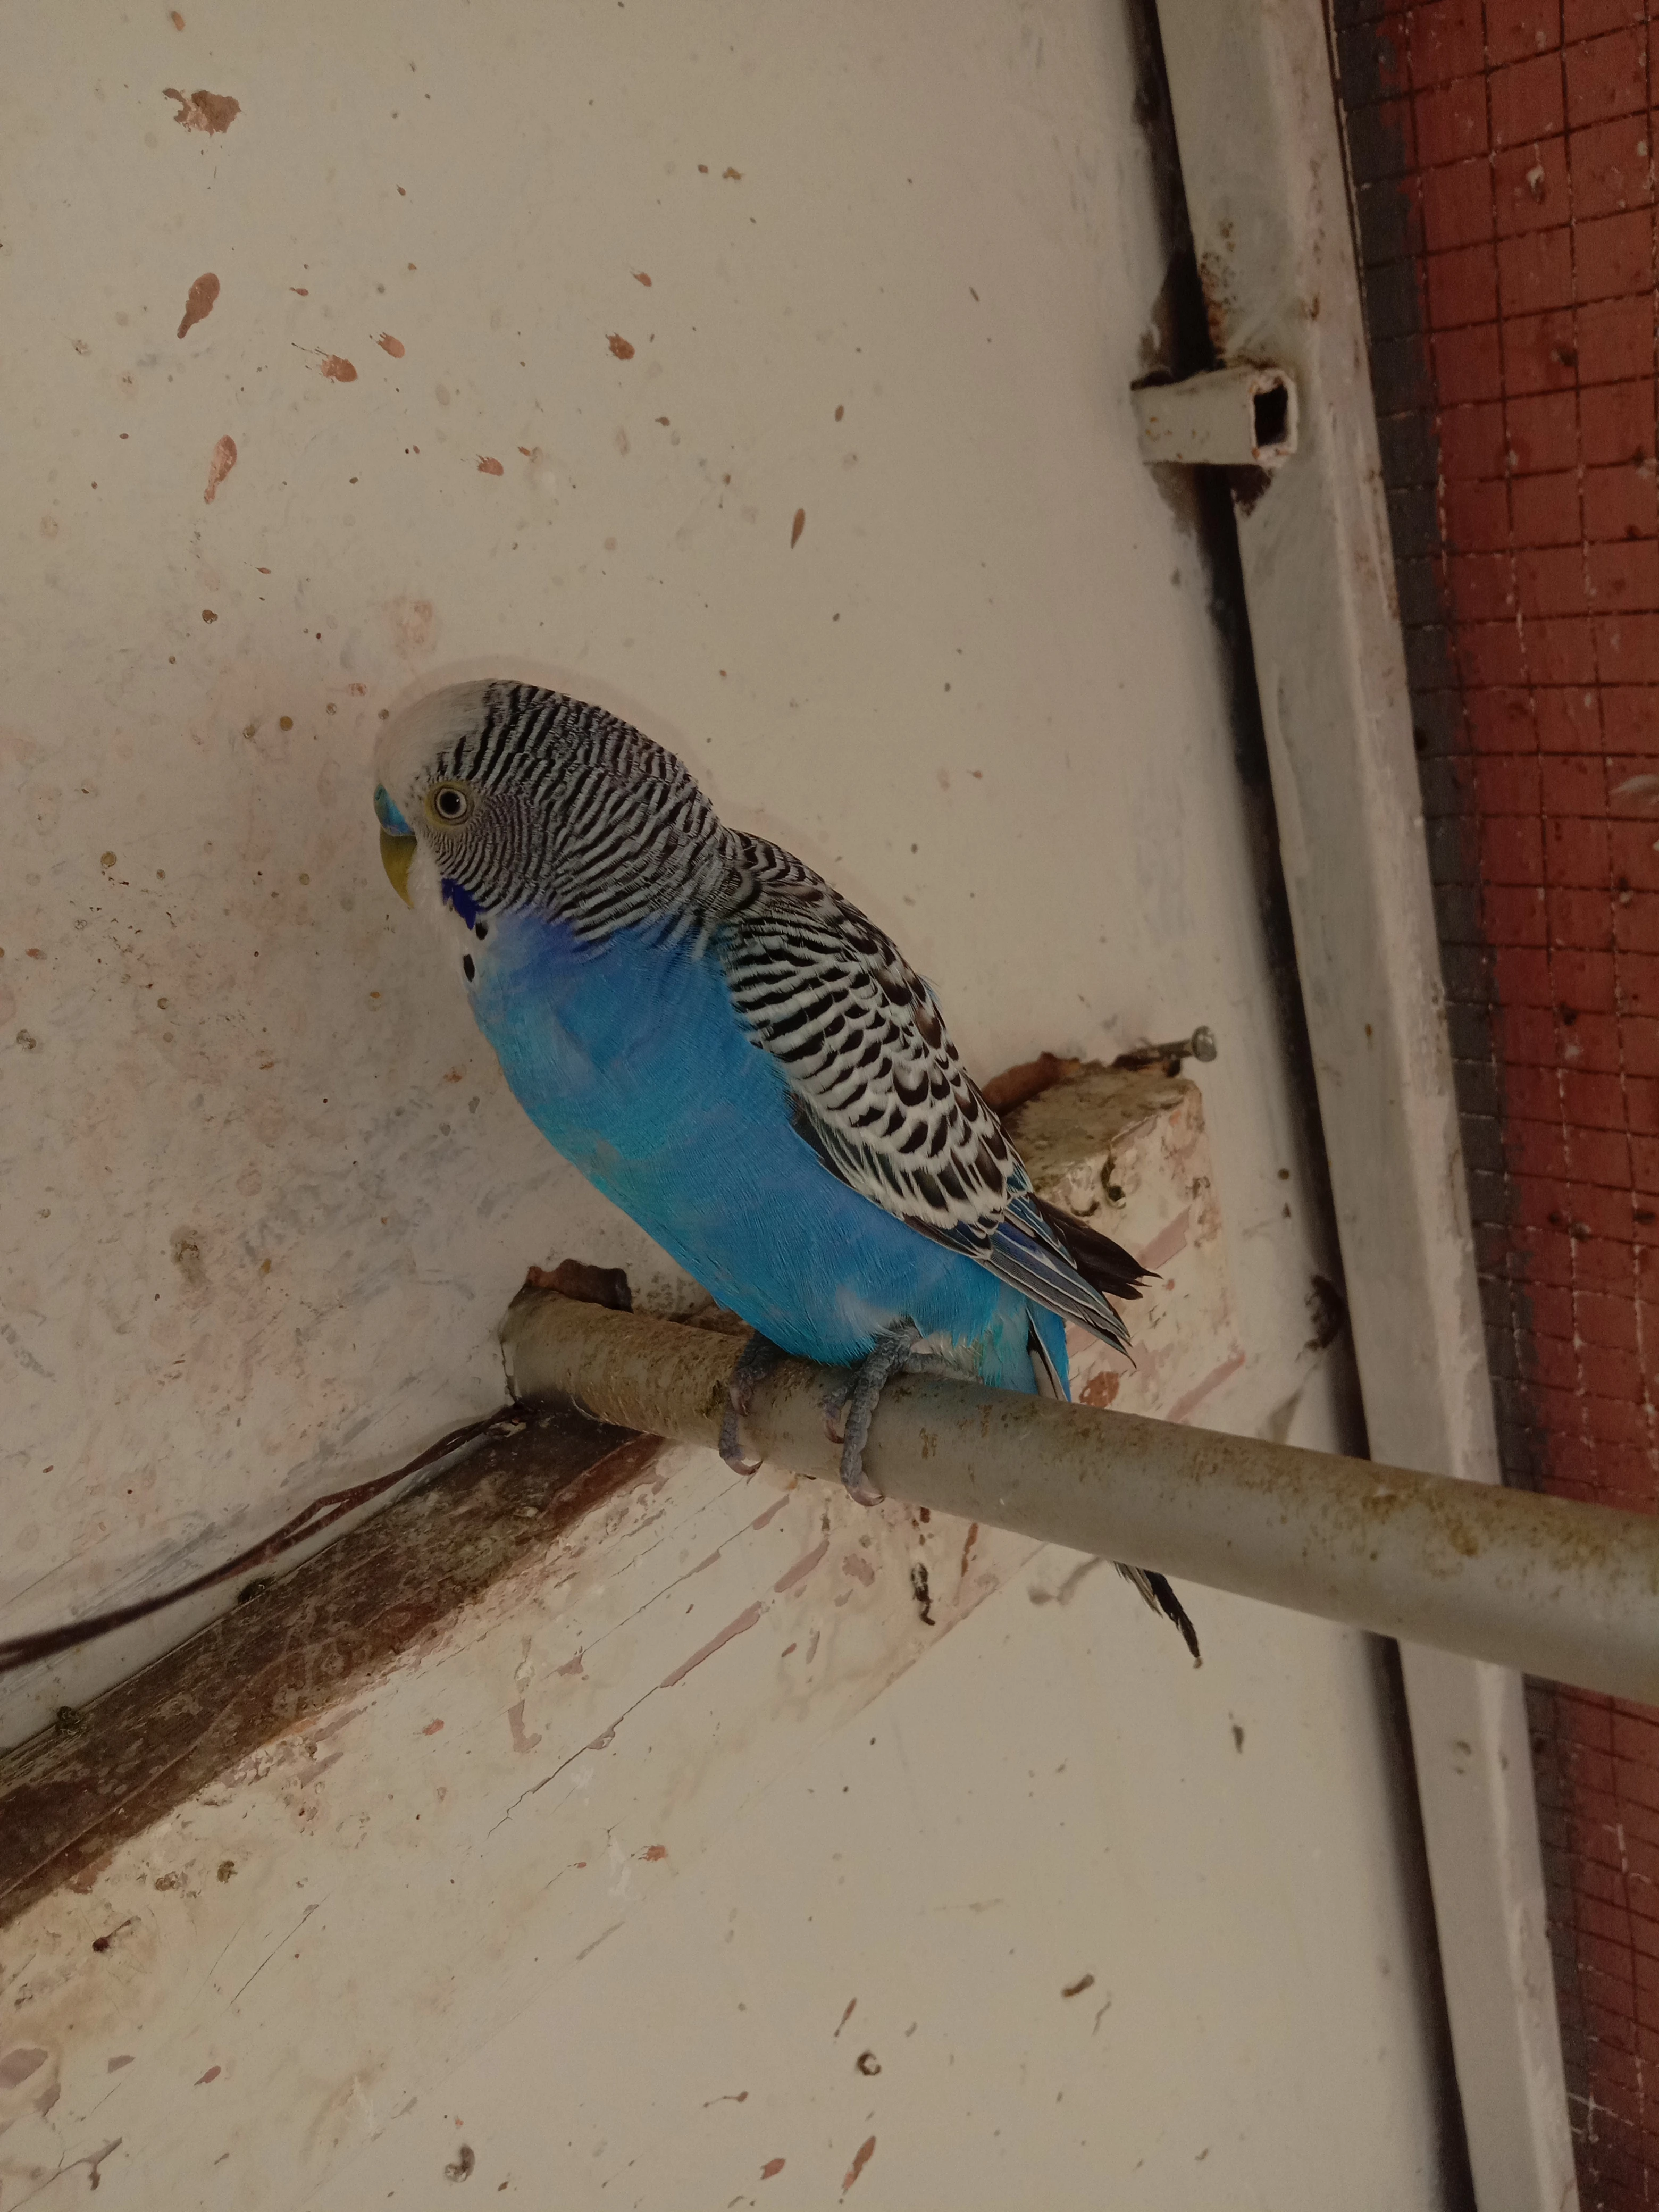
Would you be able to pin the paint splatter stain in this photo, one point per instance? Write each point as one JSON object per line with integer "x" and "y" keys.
{"x": 212, "y": 2075}
{"x": 619, "y": 346}
{"x": 223, "y": 461}
{"x": 208, "y": 615}
{"x": 772, "y": 2166}
{"x": 796, "y": 527}
{"x": 387, "y": 343}
{"x": 861, "y": 2158}
{"x": 199, "y": 302}
{"x": 852, "y": 2003}
{"x": 639, "y": 277}
{"x": 337, "y": 370}
{"x": 656, "y": 1851}
{"x": 489, "y": 466}
{"x": 212, "y": 112}
{"x": 301, "y": 291}
{"x": 432, "y": 1728}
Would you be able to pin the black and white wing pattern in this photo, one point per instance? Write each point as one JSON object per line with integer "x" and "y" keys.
{"x": 881, "y": 1093}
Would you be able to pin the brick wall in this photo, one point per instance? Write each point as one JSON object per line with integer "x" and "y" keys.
{"x": 1502, "y": 160}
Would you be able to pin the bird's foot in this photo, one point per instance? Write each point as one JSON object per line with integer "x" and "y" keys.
{"x": 848, "y": 1413}
{"x": 759, "y": 1357}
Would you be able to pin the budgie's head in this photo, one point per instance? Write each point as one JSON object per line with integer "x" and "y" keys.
{"x": 499, "y": 796}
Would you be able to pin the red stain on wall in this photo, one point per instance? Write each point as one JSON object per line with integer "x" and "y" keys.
{"x": 338, "y": 371}
{"x": 620, "y": 346}
{"x": 796, "y": 527}
{"x": 212, "y": 112}
{"x": 488, "y": 466}
{"x": 1502, "y": 162}
{"x": 387, "y": 343}
{"x": 223, "y": 461}
{"x": 199, "y": 302}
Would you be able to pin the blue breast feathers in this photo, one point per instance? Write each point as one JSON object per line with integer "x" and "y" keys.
{"x": 631, "y": 1061}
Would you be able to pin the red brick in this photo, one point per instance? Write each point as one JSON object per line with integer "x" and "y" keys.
{"x": 1451, "y": 123}
{"x": 1472, "y": 442}
{"x": 1552, "y": 1312}
{"x": 1544, "y": 510}
{"x": 1551, "y": 582}
{"x": 1527, "y": 102}
{"x": 1585, "y": 980}
{"x": 1580, "y": 920}
{"x": 1481, "y": 586}
{"x": 1475, "y": 517}
{"x": 1635, "y": 861}
{"x": 1607, "y": 1322}
{"x": 1555, "y": 1364}
{"x": 1575, "y": 784}
{"x": 1517, "y": 28}
{"x": 1616, "y": 1420}
{"x": 1607, "y": 1213}
{"x": 1468, "y": 364}
{"x": 1569, "y": 720}
{"x": 1523, "y": 976}
{"x": 1514, "y": 915}
{"x": 1575, "y": 852}
{"x": 1614, "y": 340}
{"x": 1613, "y": 256}
{"x": 1644, "y": 1174}
{"x": 1534, "y": 271}
{"x": 1605, "y": 77}
{"x": 1512, "y": 849}
{"x": 1625, "y": 574}
{"x": 1561, "y": 649}
{"x": 1490, "y": 653}
{"x": 1601, "y": 1156}
{"x": 1543, "y": 430}
{"x": 1621, "y": 502}
{"x": 1595, "y": 1100}
{"x": 1627, "y": 647}
{"x": 1588, "y": 19}
{"x": 1457, "y": 204}
{"x": 1500, "y": 722}
{"x": 1507, "y": 783}
{"x": 1448, "y": 40}
{"x": 1638, "y": 982}
{"x": 1641, "y": 1105}
{"x": 1542, "y": 353}
{"x": 1638, "y": 1052}
{"x": 1462, "y": 287}
{"x": 1632, "y": 796}
{"x": 1528, "y": 190}
{"x": 1616, "y": 422}
{"x": 1609, "y": 171}
{"x": 1631, "y": 719}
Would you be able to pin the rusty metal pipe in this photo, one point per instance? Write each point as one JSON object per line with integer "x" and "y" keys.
{"x": 1555, "y": 1588}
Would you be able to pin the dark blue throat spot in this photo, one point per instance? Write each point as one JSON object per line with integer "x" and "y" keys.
{"x": 460, "y": 901}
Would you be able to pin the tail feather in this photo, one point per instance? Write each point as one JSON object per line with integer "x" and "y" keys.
{"x": 1103, "y": 1265}
{"x": 1154, "y": 1588}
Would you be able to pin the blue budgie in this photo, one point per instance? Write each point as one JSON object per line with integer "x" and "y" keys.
{"x": 739, "y": 1057}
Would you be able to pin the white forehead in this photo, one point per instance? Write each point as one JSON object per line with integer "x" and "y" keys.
{"x": 410, "y": 741}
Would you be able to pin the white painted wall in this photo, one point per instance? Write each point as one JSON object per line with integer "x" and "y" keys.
{"x": 264, "y": 1194}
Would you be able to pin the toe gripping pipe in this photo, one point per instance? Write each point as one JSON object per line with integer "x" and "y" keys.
{"x": 1556, "y": 1588}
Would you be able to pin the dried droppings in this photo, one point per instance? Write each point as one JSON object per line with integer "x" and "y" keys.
{"x": 212, "y": 112}
{"x": 619, "y": 346}
{"x": 387, "y": 343}
{"x": 489, "y": 466}
{"x": 223, "y": 461}
{"x": 796, "y": 527}
{"x": 1076, "y": 1989}
{"x": 199, "y": 302}
{"x": 337, "y": 370}
{"x": 861, "y": 2158}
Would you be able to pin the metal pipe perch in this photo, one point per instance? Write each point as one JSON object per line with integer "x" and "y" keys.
{"x": 1555, "y": 1588}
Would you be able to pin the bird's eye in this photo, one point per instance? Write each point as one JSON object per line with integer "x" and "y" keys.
{"x": 449, "y": 803}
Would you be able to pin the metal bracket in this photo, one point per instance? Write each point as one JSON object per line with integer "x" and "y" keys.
{"x": 1228, "y": 417}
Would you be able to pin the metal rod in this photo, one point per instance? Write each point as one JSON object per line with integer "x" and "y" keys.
{"x": 1556, "y": 1588}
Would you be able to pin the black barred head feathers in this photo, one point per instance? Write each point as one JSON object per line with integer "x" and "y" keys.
{"x": 527, "y": 799}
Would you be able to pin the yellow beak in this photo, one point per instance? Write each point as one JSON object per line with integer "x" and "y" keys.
{"x": 396, "y": 857}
